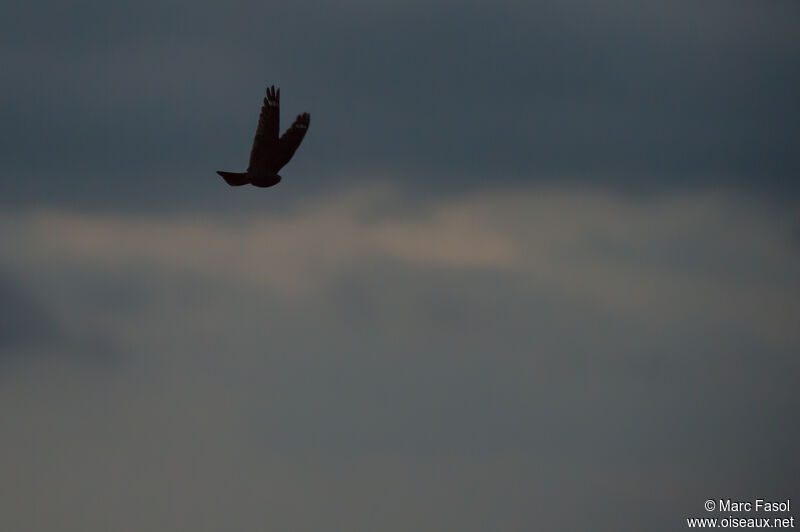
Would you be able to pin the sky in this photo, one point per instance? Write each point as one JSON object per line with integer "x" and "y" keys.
{"x": 535, "y": 266}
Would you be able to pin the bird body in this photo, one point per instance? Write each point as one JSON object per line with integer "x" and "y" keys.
{"x": 270, "y": 153}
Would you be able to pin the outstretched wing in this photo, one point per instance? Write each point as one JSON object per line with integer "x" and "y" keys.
{"x": 268, "y": 126}
{"x": 290, "y": 140}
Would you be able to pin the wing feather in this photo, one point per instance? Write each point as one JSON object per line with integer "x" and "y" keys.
{"x": 291, "y": 139}
{"x": 266, "y": 138}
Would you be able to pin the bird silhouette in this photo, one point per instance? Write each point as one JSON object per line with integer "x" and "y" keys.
{"x": 270, "y": 153}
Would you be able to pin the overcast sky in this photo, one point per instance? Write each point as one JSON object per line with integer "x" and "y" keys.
{"x": 535, "y": 265}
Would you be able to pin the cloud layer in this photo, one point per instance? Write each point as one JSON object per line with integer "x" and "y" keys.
{"x": 366, "y": 361}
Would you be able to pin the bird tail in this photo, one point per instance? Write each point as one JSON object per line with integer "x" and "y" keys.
{"x": 235, "y": 179}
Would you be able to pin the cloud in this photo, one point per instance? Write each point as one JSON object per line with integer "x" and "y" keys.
{"x": 369, "y": 360}
{"x": 712, "y": 256}
{"x": 24, "y": 322}
{"x": 33, "y": 332}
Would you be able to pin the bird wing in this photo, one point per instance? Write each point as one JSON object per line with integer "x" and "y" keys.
{"x": 291, "y": 139}
{"x": 267, "y": 132}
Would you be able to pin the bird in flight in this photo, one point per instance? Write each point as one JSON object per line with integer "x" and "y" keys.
{"x": 270, "y": 153}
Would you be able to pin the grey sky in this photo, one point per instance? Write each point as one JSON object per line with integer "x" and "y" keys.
{"x": 140, "y": 100}
{"x": 535, "y": 266}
